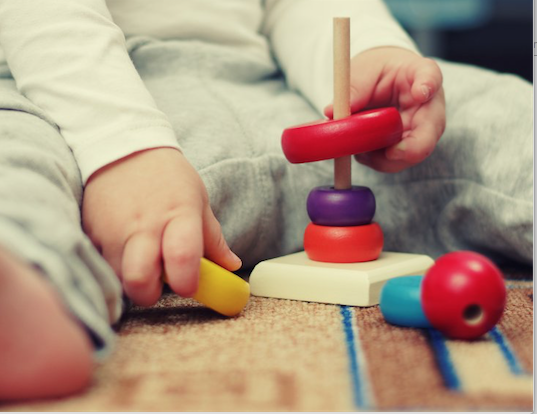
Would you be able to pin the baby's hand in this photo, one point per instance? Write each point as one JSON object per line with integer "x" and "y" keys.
{"x": 391, "y": 76}
{"x": 150, "y": 212}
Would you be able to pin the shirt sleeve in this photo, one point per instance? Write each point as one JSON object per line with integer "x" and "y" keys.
{"x": 70, "y": 59}
{"x": 301, "y": 36}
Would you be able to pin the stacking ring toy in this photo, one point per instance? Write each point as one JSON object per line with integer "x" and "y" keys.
{"x": 362, "y": 132}
{"x": 343, "y": 244}
{"x": 327, "y": 206}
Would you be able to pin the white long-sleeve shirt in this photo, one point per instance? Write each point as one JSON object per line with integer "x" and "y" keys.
{"x": 69, "y": 57}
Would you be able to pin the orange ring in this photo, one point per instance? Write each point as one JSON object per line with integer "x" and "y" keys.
{"x": 350, "y": 244}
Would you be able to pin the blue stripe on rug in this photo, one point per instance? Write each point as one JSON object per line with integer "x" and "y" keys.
{"x": 517, "y": 285}
{"x": 360, "y": 399}
{"x": 507, "y": 352}
{"x": 443, "y": 359}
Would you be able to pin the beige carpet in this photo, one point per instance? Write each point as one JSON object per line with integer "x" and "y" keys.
{"x": 282, "y": 355}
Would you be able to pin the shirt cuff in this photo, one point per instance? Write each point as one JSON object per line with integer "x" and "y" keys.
{"x": 100, "y": 153}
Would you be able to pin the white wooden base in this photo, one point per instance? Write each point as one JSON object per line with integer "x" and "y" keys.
{"x": 355, "y": 284}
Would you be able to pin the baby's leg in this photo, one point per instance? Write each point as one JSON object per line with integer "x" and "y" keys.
{"x": 44, "y": 351}
{"x": 57, "y": 295}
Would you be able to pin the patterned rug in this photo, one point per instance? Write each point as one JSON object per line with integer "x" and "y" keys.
{"x": 282, "y": 355}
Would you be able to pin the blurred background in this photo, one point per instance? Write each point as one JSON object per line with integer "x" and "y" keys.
{"x": 496, "y": 34}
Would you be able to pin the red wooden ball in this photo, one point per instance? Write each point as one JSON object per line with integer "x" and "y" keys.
{"x": 350, "y": 244}
{"x": 361, "y": 132}
{"x": 463, "y": 295}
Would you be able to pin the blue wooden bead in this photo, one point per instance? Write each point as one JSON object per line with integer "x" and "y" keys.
{"x": 400, "y": 302}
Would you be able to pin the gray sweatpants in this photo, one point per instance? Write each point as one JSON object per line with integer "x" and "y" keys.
{"x": 228, "y": 110}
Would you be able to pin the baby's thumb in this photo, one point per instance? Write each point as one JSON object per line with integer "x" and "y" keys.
{"x": 357, "y": 101}
{"x": 215, "y": 246}
{"x": 362, "y": 85}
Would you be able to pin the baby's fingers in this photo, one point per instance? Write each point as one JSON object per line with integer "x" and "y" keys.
{"x": 182, "y": 249}
{"x": 216, "y": 248}
{"x": 425, "y": 129}
{"x": 141, "y": 268}
{"x": 427, "y": 80}
{"x": 415, "y": 147}
{"x": 378, "y": 161}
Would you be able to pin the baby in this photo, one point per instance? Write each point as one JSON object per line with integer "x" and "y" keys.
{"x": 173, "y": 135}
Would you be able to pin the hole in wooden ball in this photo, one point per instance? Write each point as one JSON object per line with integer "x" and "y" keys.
{"x": 473, "y": 314}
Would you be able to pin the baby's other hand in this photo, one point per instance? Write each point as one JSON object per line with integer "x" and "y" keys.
{"x": 390, "y": 76}
{"x": 150, "y": 212}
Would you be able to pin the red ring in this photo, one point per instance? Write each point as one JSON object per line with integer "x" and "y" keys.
{"x": 327, "y": 139}
{"x": 343, "y": 244}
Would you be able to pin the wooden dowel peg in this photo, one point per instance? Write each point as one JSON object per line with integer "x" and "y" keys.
{"x": 342, "y": 166}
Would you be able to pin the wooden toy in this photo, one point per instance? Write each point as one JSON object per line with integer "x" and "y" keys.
{"x": 220, "y": 289}
{"x": 332, "y": 138}
{"x": 355, "y": 284}
{"x": 350, "y": 244}
{"x": 400, "y": 302}
{"x": 462, "y": 295}
{"x": 343, "y": 261}
{"x": 327, "y": 206}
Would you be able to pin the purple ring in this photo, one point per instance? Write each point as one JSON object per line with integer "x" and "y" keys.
{"x": 327, "y": 206}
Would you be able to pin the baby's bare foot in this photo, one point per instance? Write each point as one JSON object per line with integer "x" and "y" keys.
{"x": 44, "y": 352}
